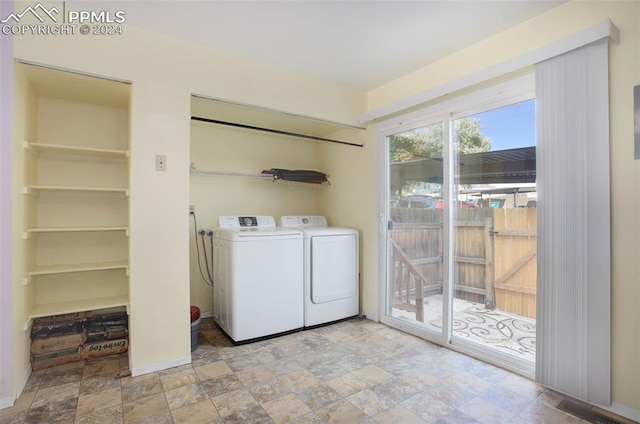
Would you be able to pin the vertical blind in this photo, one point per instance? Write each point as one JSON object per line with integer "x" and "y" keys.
{"x": 573, "y": 306}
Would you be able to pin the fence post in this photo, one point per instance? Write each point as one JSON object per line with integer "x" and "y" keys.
{"x": 419, "y": 298}
{"x": 489, "y": 297}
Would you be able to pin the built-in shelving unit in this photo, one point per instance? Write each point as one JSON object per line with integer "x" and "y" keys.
{"x": 75, "y": 187}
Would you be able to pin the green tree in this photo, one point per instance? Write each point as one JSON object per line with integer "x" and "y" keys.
{"x": 427, "y": 142}
{"x": 468, "y": 138}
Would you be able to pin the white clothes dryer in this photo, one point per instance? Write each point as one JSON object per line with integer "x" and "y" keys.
{"x": 258, "y": 273}
{"x": 331, "y": 275}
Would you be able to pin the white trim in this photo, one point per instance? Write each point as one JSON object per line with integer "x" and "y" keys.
{"x": 381, "y": 223}
{"x": 373, "y": 315}
{"x": 6, "y": 402}
{"x": 510, "y": 92}
{"x": 622, "y": 410}
{"x": 380, "y": 229}
{"x": 207, "y": 314}
{"x": 23, "y": 381}
{"x": 489, "y": 355}
{"x": 161, "y": 366}
{"x": 597, "y": 32}
{"x": 71, "y": 71}
{"x": 506, "y": 93}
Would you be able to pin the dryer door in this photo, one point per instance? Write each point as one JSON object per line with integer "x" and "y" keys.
{"x": 334, "y": 267}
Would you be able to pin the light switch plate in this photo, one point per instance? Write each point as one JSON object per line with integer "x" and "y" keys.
{"x": 161, "y": 162}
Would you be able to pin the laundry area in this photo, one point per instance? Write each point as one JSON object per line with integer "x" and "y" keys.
{"x": 258, "y": 191}
{"x": 192, "y": 221}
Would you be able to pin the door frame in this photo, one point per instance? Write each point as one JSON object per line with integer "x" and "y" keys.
{"x": 503, "y": 93}
{"x": 384, "y": 131}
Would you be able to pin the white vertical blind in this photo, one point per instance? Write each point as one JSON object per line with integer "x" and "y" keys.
{"x": 573, "y": 310}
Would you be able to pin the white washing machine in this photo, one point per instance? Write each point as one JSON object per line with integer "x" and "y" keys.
{"x": 331, "y": 277}
{"x": 258, "y": 272}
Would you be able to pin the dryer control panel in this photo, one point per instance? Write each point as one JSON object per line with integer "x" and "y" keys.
{"x": 302, "y": 221}
{"x": 240, "y": 222}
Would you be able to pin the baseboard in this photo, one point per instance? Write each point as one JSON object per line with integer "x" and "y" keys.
{"x": 161, "y": 366}
{"x": 6, "y": 402}
{"x": 206, "y": 314}
{"x": 372, "y": 315}
{"x": 23, "y": 381}
{"x": 623, "y": 411}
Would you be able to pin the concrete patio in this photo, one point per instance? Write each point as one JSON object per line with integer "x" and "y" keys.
{"x": 495, "y": 329}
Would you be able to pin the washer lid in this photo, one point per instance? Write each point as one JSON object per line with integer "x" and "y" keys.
{"x": 247, "y": 234}
{"x": 246, "y": 221}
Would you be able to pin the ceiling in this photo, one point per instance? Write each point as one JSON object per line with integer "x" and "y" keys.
{"x": 360, "y": 43}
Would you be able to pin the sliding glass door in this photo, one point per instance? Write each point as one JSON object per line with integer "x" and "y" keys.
{"x": 414, "y": 292}
{"x": 460, "y": 238}
{"x": 494, "y": 233}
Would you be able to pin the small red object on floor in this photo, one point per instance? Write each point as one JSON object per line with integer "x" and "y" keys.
{"x": 195, "y": 313}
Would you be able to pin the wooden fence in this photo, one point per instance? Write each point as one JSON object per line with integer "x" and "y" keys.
{"x": 515, "y": 260}
{"x": 494, "y": 253}
{"x": 416, "y": 255}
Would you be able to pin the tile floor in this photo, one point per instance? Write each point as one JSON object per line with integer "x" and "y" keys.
{"x": 355, "y": 371}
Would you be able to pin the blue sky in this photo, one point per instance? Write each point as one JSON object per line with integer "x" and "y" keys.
{"x": 511, "y": 126}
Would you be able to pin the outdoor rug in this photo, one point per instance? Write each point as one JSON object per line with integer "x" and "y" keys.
{"x": 498, "y": 330}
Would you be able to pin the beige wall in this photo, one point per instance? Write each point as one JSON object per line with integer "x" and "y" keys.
{"x": 217, "y": 148}
{"x": 563, "y": 21}
{"x": 165, "y": 72}
{"x": 350, "y": 201}
{"x": 25, "y": 128}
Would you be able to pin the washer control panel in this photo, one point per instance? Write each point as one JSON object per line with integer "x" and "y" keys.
{"x": 301, "y": 221}
{"x": 240, "y": 222}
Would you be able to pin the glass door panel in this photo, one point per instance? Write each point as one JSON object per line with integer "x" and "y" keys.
{"x": 494, "y": 233}
{"x": 414, "y": 290}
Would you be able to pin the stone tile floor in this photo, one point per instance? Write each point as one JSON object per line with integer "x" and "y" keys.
{"x": 355, "y": 371}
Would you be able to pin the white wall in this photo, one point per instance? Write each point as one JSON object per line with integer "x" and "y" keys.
{"x": 219, "y": 148}
{"x": 544, "y": 29}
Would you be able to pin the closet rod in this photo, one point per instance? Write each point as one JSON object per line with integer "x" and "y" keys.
{"x": 291, "y": 134}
